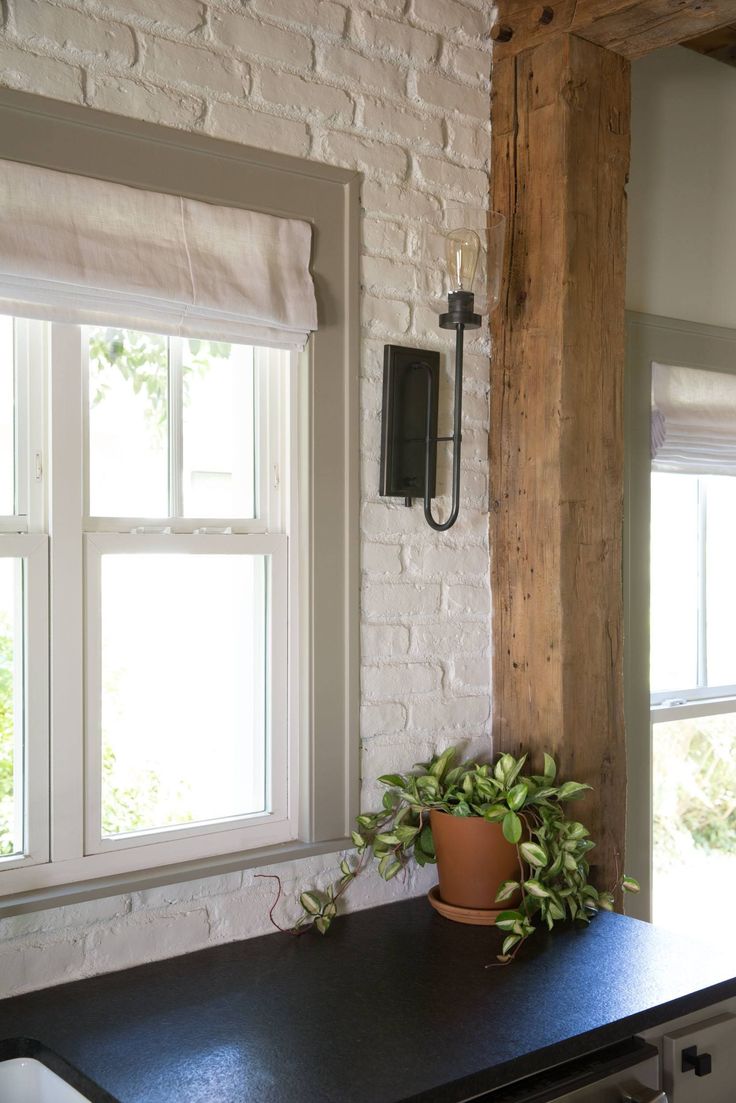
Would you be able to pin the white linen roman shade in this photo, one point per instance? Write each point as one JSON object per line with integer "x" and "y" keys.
{"x": 81, "y": 250}
{"x": 693, "y": 421}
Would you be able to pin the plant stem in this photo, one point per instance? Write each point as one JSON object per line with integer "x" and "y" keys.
{"x": 284, "y": 930}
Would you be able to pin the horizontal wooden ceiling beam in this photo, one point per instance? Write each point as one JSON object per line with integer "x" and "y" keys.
{"x": 720, "y": 44}
{"x": 631, "y": 28}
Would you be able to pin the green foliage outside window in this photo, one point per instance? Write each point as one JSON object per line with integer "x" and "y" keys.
{"x": 142, "y": 359}
{"x": 694, "y": 786}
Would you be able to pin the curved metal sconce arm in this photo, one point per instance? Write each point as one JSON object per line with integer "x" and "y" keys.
{"x": 442, "y": 526}
{"x": 410, "y": 412}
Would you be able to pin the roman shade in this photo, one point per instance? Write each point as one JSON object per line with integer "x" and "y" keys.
{"x": 82, "y": 250}
{"x": 693, "y": 421}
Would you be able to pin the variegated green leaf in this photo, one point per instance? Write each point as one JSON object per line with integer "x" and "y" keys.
{"x": 512, "y": 827}
{"x": 507, "y": 889}
{"x": 439, "y": 766}
{"x": 495, "y": 812}
{"x": 507, "y": 920}
{"x": 503, "y": 768}
{"x": 509, "y": 942}
{"x": 310, "y": 903}
{"x": 516, "y": 796}
{"x": 572, "y": 790}
{"x": 534, "y": 854}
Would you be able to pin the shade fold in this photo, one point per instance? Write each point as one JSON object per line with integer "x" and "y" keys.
{"x": 89, "y": 251}
{"x": 693, "y": 421}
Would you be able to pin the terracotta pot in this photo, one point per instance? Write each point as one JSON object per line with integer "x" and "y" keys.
{"x": 473, "y": 859}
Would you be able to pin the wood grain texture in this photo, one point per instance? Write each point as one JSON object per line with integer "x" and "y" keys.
{"x": 720, "y": 44}
{"x": 631, "y": 28}
{"x": 560, "y": 159}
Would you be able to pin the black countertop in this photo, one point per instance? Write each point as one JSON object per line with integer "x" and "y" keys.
{"x": 393, "y": 1005}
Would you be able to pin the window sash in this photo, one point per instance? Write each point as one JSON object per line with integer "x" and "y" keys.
{"x": 271, "y": 368}
{"x": 701, "y": 691}
{"x": 274, "y": 822}
{"x": 28, "y": 370}
{"x": 33, "y": 551}
{"x": 72, "y": 860}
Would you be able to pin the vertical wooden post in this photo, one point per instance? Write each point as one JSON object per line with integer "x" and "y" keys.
{"x": 560, "y": 159}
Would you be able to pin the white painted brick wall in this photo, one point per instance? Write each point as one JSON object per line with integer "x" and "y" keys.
{"x": 398, "y": 89}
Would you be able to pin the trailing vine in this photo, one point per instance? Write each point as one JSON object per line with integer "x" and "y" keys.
{"x": 552, "y": 848}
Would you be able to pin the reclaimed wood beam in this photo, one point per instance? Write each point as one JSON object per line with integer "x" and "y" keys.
{"x": 560, "y": 125}
{"x": 720, "y": 44}
{"x": 631, "y": 28}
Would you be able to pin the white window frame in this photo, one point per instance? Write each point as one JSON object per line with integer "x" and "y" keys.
{"x": 22, "y": 537}
{"x": 277, "y": 823}
{"x": 320, "y": 513}
{"x": 78, "y": 541}
{"x": 681, "y": 695}
{"x": 29, "y": 430}
{"x": 652, "y": 339}
{"x": 32, "y": 551}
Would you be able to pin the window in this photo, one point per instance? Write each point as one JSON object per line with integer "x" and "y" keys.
{"x": 169, "y": 489}
{"x": 178, "y": 526}
{"x": 23, "y": 610}
{"x": 680, "y": 601}
{"x": 693, "y": 587}
{"x": 693, "y": 685}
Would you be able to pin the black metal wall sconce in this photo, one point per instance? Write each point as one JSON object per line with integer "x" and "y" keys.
{"x": 409, "y": 416}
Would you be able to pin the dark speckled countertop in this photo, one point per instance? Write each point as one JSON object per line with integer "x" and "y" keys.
{"x": 394, "y": 1005}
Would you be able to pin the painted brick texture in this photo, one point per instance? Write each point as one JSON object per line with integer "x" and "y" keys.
{"x": 398, "y": 89}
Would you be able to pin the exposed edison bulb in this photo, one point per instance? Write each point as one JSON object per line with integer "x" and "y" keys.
{"x": 462, "y": 247}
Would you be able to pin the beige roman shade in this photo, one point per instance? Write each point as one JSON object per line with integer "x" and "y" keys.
{"x": 76, "y": 249}
{"x": 693, "y": 421}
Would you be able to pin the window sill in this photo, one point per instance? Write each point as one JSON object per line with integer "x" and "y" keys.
{"x": 60, "y": 895}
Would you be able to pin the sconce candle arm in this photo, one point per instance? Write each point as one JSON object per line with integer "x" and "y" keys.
{"x": 456, "y": 438}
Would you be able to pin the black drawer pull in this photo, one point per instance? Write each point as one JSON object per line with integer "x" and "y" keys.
{"x": 700, "y": 1062}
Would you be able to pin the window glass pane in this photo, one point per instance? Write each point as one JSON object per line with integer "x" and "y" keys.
{"x": 721, "y": 580}
{"x": 183, "y": 680}
{"x": 11, "y": 707}
{"x": 674, "y": 582}
{"x": 219, "y": 469}
{"x": 128, "y": 423}
{"x": 7, "y": 417}
{"x": 694, "y": 778}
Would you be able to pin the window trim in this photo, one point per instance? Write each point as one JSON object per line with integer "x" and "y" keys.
{"x": 650, "y": 338}
{"x": 32, "y": 548}
{"x": 80, "y": 140}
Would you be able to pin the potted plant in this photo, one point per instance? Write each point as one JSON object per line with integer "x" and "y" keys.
{"x": 502, "y": 837}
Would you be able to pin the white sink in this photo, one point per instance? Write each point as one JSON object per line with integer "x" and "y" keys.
{"x": 24, "y": 1080}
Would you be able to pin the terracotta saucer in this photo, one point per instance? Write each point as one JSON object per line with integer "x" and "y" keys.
{"x": 480, "y": 917}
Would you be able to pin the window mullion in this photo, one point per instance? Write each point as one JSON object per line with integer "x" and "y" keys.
{"x": 21, "y": 373}
{"x": 176, "y": 428}
{"x": 66, "y": 507}
{"x": 37, "y": 338}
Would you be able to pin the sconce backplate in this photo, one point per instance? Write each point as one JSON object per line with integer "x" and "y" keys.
{"x": 411, "y": 379}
